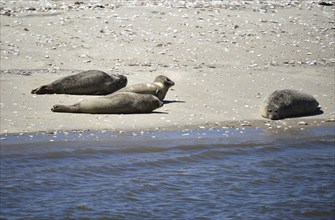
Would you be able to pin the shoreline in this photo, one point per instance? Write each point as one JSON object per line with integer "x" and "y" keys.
{"x": 191, "y": 135}
{"x": 266, "y": 125}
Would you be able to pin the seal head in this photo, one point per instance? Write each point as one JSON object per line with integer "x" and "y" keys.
{"x": 166, "y": 81}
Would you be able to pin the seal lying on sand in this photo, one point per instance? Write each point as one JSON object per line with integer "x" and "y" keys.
{"x": 287, "y": 103}
{"x": 91, "y": 82}
{"x": 118, "y": 103}
{"x": 158, "y": 88}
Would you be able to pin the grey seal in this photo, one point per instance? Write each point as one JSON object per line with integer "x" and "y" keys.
{"x": 158, "y": 88}
{"x": 118, "y": 103}
{"x": 91, "y": 82}
{"x": 288, "y": 103}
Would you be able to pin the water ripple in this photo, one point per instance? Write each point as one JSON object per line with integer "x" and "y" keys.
{"x": 273, "y": 176}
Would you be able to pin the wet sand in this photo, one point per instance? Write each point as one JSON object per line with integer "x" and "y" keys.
{"x": 224, "y": 58}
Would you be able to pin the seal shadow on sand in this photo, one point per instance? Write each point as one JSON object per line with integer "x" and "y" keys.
{"x": 139, "y": 113}
{"x": 318, "y": 111}
{"x": 172, "y": 101}
{"x": 156, "y": 112}
{"x": 166, "y": 102}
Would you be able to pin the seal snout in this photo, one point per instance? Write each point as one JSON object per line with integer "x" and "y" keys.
{"x": 43, "y": 90}
{"x": 169, "y": 82}
{"x": 123, "y": 79}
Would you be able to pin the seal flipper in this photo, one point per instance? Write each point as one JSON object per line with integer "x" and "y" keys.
{"x": 66, "y": 108}
{"x": 158, "y": 94}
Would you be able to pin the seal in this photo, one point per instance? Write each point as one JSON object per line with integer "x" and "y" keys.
{"x": 288, "y": 103}
{"x": 91, "y": 82}
{"x": 158, "y": 88}
{"x": 118, "y": 103}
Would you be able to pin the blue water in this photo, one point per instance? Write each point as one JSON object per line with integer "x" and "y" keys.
{"x": 200, "y": 174}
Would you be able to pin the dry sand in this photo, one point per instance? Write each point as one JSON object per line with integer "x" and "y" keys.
{"x": 224, "y": 58}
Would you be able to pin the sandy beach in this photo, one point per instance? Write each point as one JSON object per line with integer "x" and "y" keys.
{"x": 224, "y": 57}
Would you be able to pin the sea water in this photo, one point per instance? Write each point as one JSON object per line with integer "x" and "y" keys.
{"x": 191, "y": 174}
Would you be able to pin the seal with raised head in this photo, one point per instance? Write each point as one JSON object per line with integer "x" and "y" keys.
{"x": 118, "y": 103}
{"x": 158, "y": 88}
{"x": 91, "y": 82}
{"x": 288, "y": 103}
